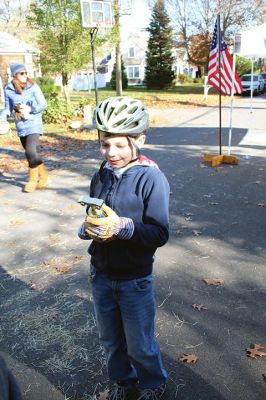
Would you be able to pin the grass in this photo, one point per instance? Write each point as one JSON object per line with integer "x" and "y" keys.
{"x": 186, "y": 95}
{"x": 180, "y": 95}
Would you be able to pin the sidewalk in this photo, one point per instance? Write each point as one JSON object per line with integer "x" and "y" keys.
{"x": 218, "y": 230}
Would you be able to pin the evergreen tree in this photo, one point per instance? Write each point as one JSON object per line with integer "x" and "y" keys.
{"x": 124, "y": 76}
{"x": 159, "y": 59}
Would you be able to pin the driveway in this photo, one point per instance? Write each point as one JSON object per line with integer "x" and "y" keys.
{"x": 218, "y": 230}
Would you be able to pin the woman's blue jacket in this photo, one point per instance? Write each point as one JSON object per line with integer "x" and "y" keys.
{"x": 31, "y": 96}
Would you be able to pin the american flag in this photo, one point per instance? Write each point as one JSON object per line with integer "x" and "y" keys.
{"x": 226, "y": 66}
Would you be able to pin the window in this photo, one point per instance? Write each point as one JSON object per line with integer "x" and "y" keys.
{"x": 131, "y": 52}
{"x": 133, "y": 72}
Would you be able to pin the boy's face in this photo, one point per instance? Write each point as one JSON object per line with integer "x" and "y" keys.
{"x": 118, "y": 150}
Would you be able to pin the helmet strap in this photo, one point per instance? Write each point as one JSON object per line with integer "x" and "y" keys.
{"x": 135, "y": 147}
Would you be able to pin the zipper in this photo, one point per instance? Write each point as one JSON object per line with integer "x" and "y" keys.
{"x": 113, "y": 190}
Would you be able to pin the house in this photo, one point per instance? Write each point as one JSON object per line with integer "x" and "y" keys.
{"x": 182, "y": 65}
{"x": 133, "y": 52}
{"x": 15, "y": 50}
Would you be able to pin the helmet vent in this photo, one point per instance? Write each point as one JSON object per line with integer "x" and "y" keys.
{"x": 132, "y": 110}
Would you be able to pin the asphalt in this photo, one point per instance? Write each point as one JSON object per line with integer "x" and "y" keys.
{"x": 218, "y": 231}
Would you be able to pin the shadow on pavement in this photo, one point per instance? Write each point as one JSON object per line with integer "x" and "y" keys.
{"x": 217, "y": 229}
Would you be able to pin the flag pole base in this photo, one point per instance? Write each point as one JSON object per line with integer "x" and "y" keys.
{"x": 218, "y": 159}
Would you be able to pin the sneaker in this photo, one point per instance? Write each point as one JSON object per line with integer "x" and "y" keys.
{"x": 152, "y": 394}
{"x": 118, "y": 393}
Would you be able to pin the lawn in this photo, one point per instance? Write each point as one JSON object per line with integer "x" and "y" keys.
{"x": 186, "y": 95}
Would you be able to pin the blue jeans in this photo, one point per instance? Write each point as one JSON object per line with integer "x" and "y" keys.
{"x": 125, "y": 312}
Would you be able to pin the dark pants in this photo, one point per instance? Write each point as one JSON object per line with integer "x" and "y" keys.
{"x": 30, "y": 144}
{"x": 9, "y": 389}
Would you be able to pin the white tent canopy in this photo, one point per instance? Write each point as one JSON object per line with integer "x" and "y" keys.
{"x": 252, "y": 43}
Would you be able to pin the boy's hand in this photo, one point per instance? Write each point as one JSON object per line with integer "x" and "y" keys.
{"x": 110, "y": 219}
{"x": 99, "y": 233}
{"x": 102, "y": 228}
{"x": 123, "y": 229}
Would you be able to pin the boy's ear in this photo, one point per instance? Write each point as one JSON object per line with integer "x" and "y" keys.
{"x": 141, "y": 140}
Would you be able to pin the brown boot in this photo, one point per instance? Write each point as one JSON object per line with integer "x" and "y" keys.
{"x": 43, "y": 174}
{"x": 33, "y": 180}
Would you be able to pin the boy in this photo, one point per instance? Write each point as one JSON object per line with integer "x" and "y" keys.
{"x": 136, "y": 194}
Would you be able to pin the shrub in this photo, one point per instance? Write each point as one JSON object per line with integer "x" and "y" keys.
{"x": 183, "y": 78}
{"x": 180, "y": 78}
{"x": 48, "y": 86}
{"x": 124, "y": 76}
{"x": 58, "y": 110}
{"x": 198, "y": 80}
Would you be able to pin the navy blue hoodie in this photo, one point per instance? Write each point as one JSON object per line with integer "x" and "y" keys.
{"x": 142, "y": 194}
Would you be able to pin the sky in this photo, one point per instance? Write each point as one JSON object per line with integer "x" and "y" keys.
{"x": 139, "y": 18}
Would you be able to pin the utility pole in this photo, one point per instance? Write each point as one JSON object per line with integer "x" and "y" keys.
{"x": 117, "y": 50}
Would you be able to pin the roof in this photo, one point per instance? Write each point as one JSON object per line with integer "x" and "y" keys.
{"x": 9, "y": 44}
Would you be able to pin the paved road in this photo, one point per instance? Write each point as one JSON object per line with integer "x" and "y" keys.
{"x": 218, "y": 215}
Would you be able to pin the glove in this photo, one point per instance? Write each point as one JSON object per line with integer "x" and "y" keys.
{"x": 101, "y": 227}
{"x": 109, "y": 227}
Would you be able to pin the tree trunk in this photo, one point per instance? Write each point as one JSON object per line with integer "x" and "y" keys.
{"x": 117, "y": 51}
{"x": 65, "y": 87}
{"x": 118, "y": 71}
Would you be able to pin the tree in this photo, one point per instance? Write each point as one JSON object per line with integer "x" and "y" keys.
{"x": 13, "y": 20}
{"x": 194, "y": 22}
{"x": 243, "y": 65}
{"x": 124, "y": 76}
{"x": 199, "y": 50}
{"x": 159, "y": 73}
{"x": 65, "y": 45}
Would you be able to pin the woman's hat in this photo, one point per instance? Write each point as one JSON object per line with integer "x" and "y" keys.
{"x": 16, "y": 67}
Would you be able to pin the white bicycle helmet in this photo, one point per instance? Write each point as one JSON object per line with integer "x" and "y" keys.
{"x": 122, "y": 115}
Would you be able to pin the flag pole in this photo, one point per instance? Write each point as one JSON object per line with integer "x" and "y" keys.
{"x": 252, "y": 85}
{"x": 220, "y": 95}
{"x": 232, "y": 99}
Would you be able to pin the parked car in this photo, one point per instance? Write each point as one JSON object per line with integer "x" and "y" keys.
{"x": 264, "y": 78}
{"x": 258, "y": 83}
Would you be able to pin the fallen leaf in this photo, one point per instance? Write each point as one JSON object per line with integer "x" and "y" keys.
{"x": 53, "y": 316}
{"x": 62, "y": 269}
{"x": 103, "y": 395}
{"x": 78, "y": 258}
{"x": 255, "y": 351}
{"x": 34, "y": 286}
{"x": 16, "y": 221}
{"x": 196, "y": 233}
{"x": 189, "y": 358}
{"x": 214, "y": 281}
{"x": 199, "y": 307}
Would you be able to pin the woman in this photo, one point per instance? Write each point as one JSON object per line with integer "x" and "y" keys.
{"x": 25, "y": 101}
